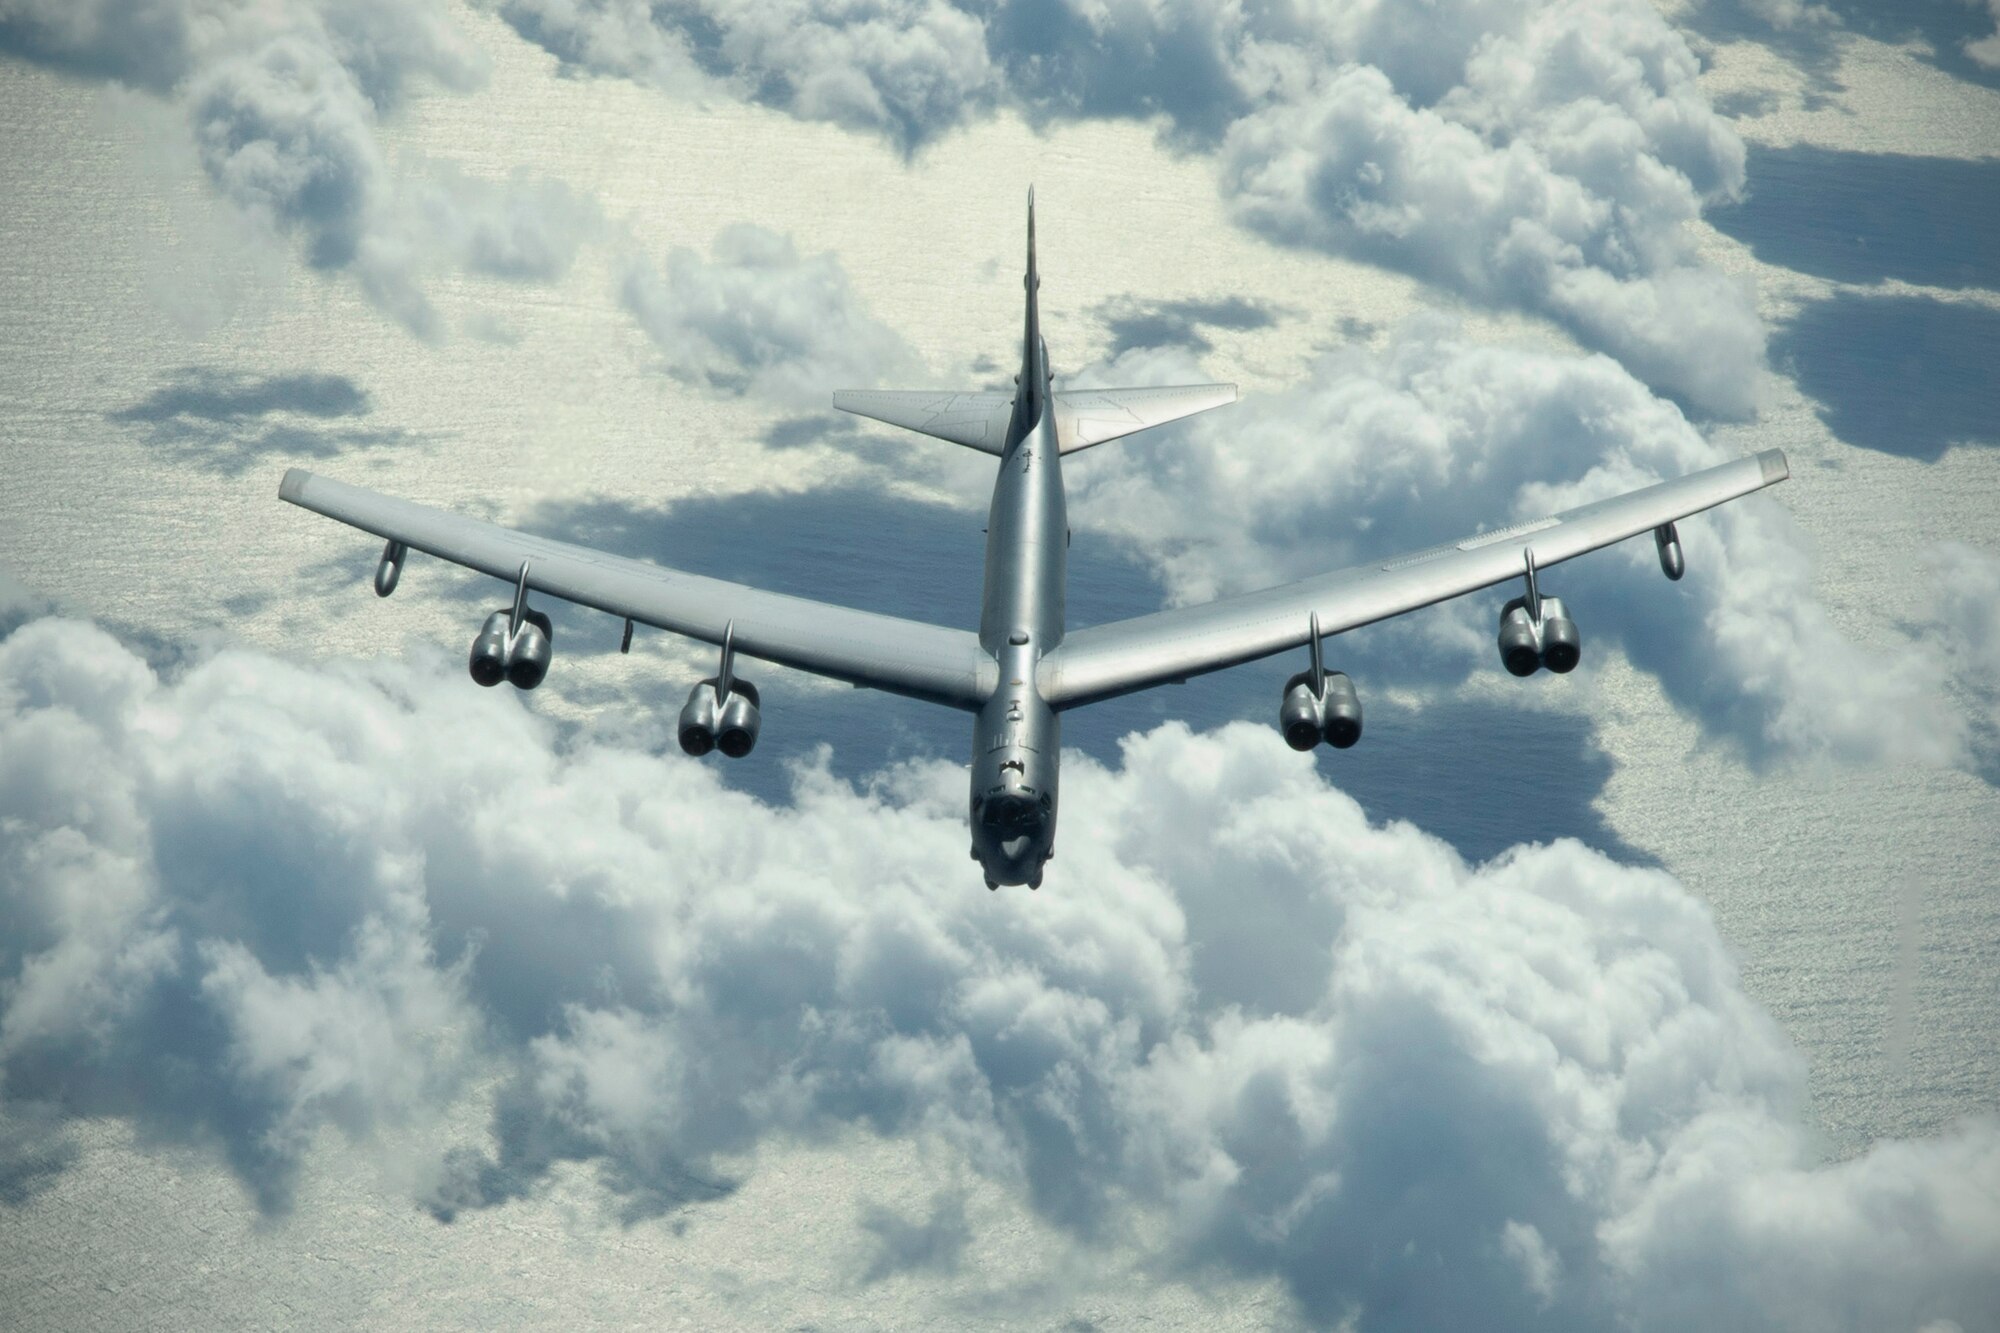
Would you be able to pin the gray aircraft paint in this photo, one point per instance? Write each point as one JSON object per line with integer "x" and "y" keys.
{"x": 1016, "y": 738}
{"x": 1022, "y": 669}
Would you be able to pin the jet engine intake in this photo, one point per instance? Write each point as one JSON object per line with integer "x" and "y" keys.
{"x": 489, "y": 651}
{"x": 736, "y": 726}
{"x": 1342, "y": 710}
{"x": 698, "y": 718}
{"x": 1528, "y": 644}
{"x": 521, "y": 656}
{"x": 730, "y": 725}
{"x": 1306, "y": 718}
{"x": 529, "y": 655}
{"x": 1299, "y": 713}
{"x": 1562, "y": 645}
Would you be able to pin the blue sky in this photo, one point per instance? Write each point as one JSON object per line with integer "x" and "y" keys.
{"x": 1655, "y": 996}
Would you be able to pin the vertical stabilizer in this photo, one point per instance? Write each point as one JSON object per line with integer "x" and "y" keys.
{"x": 991, "y": 421}
{"x": 1034, "y": 366}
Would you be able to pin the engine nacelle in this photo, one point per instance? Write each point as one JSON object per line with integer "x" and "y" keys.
{"x": 1527, "y": 645}
{"x": 521, "y": 656}
{"x": 730, "y": 725}
{"x": 1299, "y": 713}
{"x": 1307, "y": 719}
{"x": 1562, "y": 645}
{"x": 1520, "y": 643}
{"x": 1342, "y": 711}
{"x": 489, "y": 651}
{"x": 698, "y": 717}
{"x": 533, "y": 648}
{"x": 736, "y": 726}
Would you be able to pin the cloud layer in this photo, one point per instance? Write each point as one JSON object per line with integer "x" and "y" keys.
{"x": 1546, "y": 155}
{"x": 263, "y": 899}
{"x": 1435, "y": 437}
{"x": 1575, "y": 208}
{"x": 1542, "y": 154}
{"x": 1986, "y": 50}
{"x": 285, "y": 103}
{"x": 758, "y": 318}
{"x": 228, "y": 420}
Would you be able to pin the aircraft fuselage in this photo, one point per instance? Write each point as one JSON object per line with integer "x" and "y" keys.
{"x": 1016, "y": 736}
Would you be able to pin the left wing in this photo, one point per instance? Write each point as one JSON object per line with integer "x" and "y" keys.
{"x": 908, "y": 657}
{"x": 1108, "y": 660}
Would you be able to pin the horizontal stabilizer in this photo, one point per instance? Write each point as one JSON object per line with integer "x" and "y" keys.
{"x": 1091, "y": 416}
{"x": 1083, "y": 416}
{"x": 975, "y": 420}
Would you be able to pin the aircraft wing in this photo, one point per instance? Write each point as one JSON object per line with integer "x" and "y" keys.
{"x": 1109, "y": 660}
{"x": 975, "y": 420}
{"x": 907, "y": 657}
{"x": 1091, "y": 416}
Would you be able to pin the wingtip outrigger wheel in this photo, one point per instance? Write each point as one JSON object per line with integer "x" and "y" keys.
{"x": 390, "y": 571}
{"x": 1667, "y": 538}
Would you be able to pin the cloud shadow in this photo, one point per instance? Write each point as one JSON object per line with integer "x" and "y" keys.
{"x": 1867, "y": 217}
{"x": 226, "y": 421}
{"x": 1943, "y": 26}
{"x": 1903, "y": 375}
{"x": 1134, "y": 323}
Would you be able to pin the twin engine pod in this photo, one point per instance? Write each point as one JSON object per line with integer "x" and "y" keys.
{"x": 1307, "y": 718}
{"x": 729, "y": 725}
{"x": 1528, "y": 644}
{"x": 520, "y": 656}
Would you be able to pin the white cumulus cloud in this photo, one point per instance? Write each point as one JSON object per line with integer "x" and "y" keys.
{"x": 285, "y": 103}
{"x": 1548, "y": 155}
{"x": 904, "y": 68}
{"x": 1559, "y": 175}
{"x": 1435, "y": 437}
{"x": 757, "y": 317}
{"x": 1986, "y": 50}
{"x": 259, "y": 899}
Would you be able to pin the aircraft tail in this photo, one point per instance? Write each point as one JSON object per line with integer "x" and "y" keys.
{"x": 1033, "y": 355}
{"x": 1084, "y": 417}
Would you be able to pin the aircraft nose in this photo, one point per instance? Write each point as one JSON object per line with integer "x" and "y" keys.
{"x": 1014, "y": 827}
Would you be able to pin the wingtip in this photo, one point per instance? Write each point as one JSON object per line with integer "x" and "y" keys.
{"x": 1776, "y": 469}
{"x": 294, "y": 484}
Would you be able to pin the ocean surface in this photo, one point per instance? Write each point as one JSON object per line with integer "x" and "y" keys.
{"x": 1865, "y": 906}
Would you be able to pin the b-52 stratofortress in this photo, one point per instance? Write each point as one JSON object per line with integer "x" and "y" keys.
{"x": 1024, "y": 667}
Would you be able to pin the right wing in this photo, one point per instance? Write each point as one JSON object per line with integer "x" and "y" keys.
{"x": 908, "y": 657}
{"x": 1109, "y": 660}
